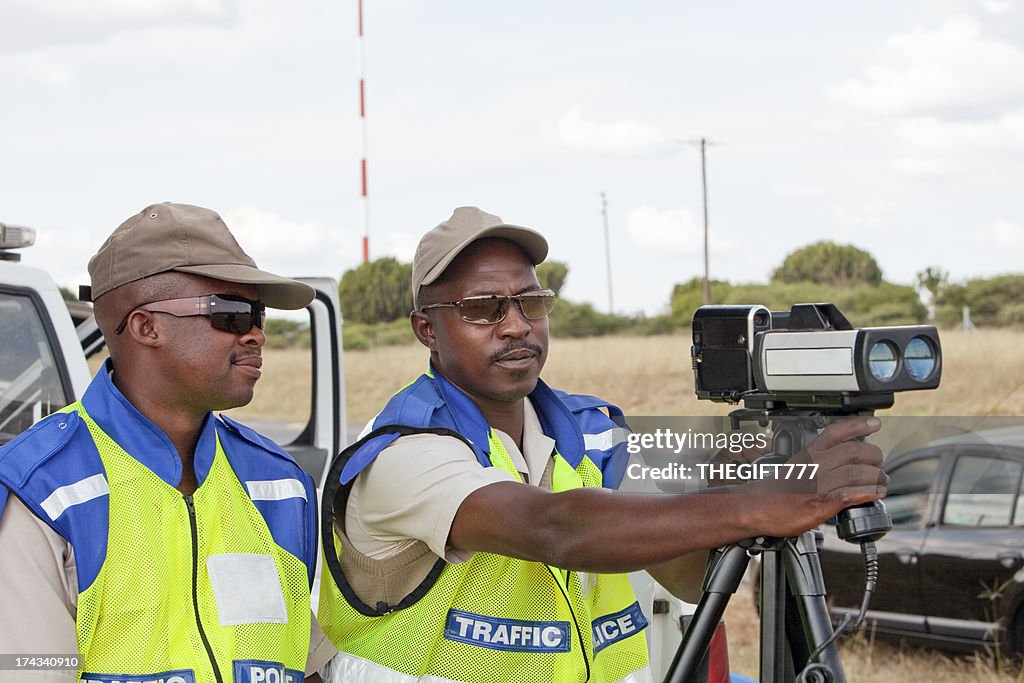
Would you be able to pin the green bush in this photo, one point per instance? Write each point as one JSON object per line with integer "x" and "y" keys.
{"x": 863, "y": 304}
{"x": 828, "y": 263}
{"x": 285, "y": 334}
{"x": 571, "y": 319}
{"x": 375, "y": 292}
{"x": 993, "y": 301}
{"x": 359, "y": 336}
{"x": 1012, "y": 315}
{"x": 354, "y": 337}
{"x": 689, "y": 296}
{"x": 552, "y": 275}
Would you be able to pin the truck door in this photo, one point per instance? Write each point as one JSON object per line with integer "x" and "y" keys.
{"x": 36, "y": 376}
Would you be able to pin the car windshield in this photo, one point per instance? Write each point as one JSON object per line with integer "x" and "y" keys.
{"x": 30, "y": 386}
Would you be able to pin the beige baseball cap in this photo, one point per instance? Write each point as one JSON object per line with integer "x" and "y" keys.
{"x": 441, "y": 245}
{"x": 187, "y": 239}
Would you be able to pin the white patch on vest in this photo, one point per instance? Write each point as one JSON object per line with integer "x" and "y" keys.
{"x": 247, "y": 589}
{"x": 510, "y": 635}
{"x": 604, "y": 440}
{"x": 276, "y": 489}
{"x": 74, "y": 494}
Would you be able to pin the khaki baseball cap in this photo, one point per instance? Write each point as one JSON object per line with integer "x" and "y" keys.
{"x": 187, "y": 239}
{"x": 441, "y": 245}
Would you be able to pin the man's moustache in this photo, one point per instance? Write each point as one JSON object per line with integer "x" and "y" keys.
{"x": 509, "y": 348}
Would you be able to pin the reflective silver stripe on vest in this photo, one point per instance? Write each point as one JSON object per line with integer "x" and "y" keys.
{"x": 604, "y": 440}
{"x": 276, "y": 489}
{"x": 642, "y": 675}
{"x": 73, "y": 494}
{"x": 346, "y": 668}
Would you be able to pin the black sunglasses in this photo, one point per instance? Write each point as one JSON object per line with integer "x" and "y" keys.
{"x": 234, "y": 314}
{"x": 492, "y": 309}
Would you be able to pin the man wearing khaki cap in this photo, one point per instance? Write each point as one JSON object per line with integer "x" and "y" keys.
{"x": 159, "y": 541}
{"x": 473, "y": 536}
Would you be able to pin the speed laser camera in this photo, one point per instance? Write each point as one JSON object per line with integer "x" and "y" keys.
{"x": 810, "y": 357}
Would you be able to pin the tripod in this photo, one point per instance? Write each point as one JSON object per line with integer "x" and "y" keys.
{"x": 790, "y": 578}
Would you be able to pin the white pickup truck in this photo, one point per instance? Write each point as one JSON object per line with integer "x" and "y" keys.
{"x": 45, "y": 344}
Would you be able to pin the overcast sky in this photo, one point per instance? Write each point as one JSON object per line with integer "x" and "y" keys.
{"x": 895, "y": 126}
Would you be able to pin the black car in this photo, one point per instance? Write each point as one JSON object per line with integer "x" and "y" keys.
{"x": 951, "y": 571}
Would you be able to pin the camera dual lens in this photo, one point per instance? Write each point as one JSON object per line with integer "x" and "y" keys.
{"x": 918, "y": 355}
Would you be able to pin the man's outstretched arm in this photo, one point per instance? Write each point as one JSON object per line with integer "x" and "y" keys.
{"x": 606, "y": 531}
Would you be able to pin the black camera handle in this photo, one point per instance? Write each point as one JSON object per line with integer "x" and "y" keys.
{"x": 791, "y": 581}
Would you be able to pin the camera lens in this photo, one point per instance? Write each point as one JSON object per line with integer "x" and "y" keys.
{"x": 920, "y": 358}
{"x": 882, "y": 361}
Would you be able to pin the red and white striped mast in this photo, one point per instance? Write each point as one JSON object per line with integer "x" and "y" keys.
{"x": 362, "y": 118}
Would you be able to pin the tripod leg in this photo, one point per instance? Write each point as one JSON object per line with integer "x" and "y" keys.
{"x": 724, "y": 576}
{"x": 803, "y": 574}
{"x": 776, "y": 662}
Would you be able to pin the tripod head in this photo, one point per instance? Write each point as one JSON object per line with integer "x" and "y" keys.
{"x": 793, "y": 430}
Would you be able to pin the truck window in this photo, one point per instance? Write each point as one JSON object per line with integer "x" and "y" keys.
{"x": 30, "y": 384}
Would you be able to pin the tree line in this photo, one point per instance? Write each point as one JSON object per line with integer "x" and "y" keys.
{"x": 376, "y": 299}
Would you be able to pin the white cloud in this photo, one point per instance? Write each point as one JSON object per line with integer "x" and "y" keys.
{"x": 937, "y": 136}
{"x": 800, "y": 191}
{"x": 40, "y": 67}
{"x": 64, "y": 251}
{"x": 35, "y": 24}
{"x": 56, "y": 46}
{"x": 864, "y": 215}
{"x": 290, "y": 247}
{"x": 1004, "y": 234}
{"x": 402, "y": 245}
{"x": 674, "y": 231}
{"x": 624, "y": 138}
{"x": 953, "y": 66}
{"x": 995, "y": 6}
{"x": 922, "y": 166}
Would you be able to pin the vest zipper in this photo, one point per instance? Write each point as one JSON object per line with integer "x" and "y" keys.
{"x": 195, "y": 584}
{"x": 575, "y": 621}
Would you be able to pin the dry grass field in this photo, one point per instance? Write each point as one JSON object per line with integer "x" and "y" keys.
{"x": 866, "y": 660}
{"x": 983, "y": 374}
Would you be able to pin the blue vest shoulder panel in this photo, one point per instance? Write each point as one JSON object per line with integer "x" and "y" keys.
{"x": 435, "y": 402}
{"x": 611, "y": 456}
{"x": 59, "y": 451}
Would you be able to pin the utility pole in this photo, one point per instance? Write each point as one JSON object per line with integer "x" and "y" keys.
{"x": 607, "y": 252}
{"x": 704, "y": 143}
{"x": 704, "y": 182}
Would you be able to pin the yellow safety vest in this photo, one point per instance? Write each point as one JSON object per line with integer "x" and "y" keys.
{"x": 193, "y": 588}
{"x": 497, "y": 618}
